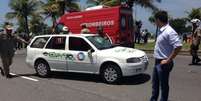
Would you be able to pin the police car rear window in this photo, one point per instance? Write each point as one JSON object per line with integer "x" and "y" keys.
{"x": 39, "y": 42}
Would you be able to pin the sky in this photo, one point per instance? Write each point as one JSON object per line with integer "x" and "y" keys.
{"x": 3, "y": 10}
{"x": 175, "y": 8}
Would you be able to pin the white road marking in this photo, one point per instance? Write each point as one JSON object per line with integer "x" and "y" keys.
{"x": 24, "y": 77}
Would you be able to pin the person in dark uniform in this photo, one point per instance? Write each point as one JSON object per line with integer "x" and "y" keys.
{"x": 137, "y": 33}
{"x": 7, "y": 49}
{"x": 196, "y": 37}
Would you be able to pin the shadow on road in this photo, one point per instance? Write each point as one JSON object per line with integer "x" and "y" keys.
{"x": 133, "y": 80}
{"x": 198, "y": 64}
{"x": 136, "y": 80}
{"x": 76, "y": 76}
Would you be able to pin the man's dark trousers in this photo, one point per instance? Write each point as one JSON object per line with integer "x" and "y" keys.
{"x": 160, "y": 79}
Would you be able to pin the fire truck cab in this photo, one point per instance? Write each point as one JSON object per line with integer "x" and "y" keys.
{"x": 117, "y": 22}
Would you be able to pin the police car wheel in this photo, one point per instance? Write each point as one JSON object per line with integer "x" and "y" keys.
{"x": 42, "y": 68}
{"x": 111, "y": 74}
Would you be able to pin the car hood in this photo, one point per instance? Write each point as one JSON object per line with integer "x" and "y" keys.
{"x": 122, "y": 52}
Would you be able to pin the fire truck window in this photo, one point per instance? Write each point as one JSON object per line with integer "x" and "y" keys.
{"x": 123, "y": 23}
{"x": 57, "y": 43}
{"x": 78, "y": 44}
{"x": 39, "y": 42}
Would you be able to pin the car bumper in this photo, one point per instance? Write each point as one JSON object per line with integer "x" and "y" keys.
{"x": 134, "y": 69}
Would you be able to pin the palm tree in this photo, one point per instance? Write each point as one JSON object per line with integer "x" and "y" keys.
{"x": 22, "y": 10}
{"x": 56, "y": 8}
{"x": 194, "y": 13}
{"x": 152, "y": 20}
{"x": 103, "y": 2}
{"x": 143, "y": 3}
{"x": 37, "y": 25}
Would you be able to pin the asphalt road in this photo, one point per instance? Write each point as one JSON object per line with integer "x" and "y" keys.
{"x": 185, "y": 85}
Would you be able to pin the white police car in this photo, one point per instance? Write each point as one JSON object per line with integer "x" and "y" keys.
{"x": 84, "y": 53}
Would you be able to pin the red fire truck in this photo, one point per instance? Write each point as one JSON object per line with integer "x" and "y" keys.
{"x": 117, "y": 22}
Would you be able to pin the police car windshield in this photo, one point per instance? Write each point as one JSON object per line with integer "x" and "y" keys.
{"x": 100, "y": 42}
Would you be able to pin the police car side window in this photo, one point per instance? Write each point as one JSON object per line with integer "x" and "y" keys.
{"x": 56, "y": 43}
{"x": 78, "y": 44}
{"x": 39, "y": 42}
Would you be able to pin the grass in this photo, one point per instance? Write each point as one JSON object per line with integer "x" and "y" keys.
{"x": 150, "y": 46}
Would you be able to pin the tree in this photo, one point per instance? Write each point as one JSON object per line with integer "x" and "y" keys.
{"x": 143, "y": 3}
{"x": 179, "y": 24}
{"x": 56, "y": 8}
{"x": 194, "y": 13}
{"x": 103, "y": 2}
{"x": 37, "y": 25}
{"x": 22, "y": 10}
{"x": 152, "y": 20}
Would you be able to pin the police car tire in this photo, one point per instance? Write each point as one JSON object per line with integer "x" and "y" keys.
{"x": 108, "y": 76}
{"x": 42, "y": 68}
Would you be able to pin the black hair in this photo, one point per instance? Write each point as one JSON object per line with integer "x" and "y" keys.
{"x": 84, "y": 26}
{"x": 162, "y": 16}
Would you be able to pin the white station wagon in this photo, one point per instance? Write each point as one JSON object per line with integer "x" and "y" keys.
{"x": 84, "y": 53}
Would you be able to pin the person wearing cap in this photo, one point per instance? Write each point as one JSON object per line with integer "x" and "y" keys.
{"x": 7, "y": 49}
{"x": 62, "y": 29}
{"x": 65, "y": 30}
{"x": 85, "y": 30}
{"x": 196, "y": 37}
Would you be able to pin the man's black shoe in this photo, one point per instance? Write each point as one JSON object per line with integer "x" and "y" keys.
{"x": 198, "y": 60}
{"x": 2, "y": 73}
{"x": 193, "y": 63}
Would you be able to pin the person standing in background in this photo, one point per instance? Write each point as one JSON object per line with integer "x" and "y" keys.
{"x": 138, "y": 32}
{"x": 196, "y": 37}
{"x": 85, "y": 30}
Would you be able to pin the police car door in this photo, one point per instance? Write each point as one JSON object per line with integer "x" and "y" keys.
{"x": 81, "y": 61}
{"x": 55, "y": 53}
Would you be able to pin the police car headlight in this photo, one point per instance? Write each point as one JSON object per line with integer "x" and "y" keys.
{"x": 133, "y": 60}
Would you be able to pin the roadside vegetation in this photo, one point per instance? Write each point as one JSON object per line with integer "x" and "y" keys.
{"x": 150, "y": 46}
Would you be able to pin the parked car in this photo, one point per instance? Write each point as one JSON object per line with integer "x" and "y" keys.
{"x": 84, "y": 53}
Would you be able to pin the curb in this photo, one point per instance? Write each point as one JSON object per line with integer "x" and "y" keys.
{"x": 183, "y": 52}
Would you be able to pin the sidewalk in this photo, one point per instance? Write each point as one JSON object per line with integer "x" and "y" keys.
{"x": 182, "y": 52}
